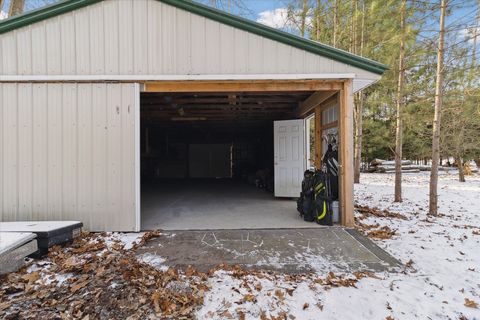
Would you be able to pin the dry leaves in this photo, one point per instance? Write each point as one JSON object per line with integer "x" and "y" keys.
{"x": 366, "y": 211}
{"x": 87, "y": 280}
{"x": 470, "y": 303}
{"x": 383, "y": 233}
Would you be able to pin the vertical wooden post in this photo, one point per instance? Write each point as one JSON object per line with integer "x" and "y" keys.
{"x": 318, "y": 137}
{"x": 346, "y": 154}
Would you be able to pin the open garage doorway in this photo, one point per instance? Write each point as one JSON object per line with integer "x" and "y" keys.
{"x": 207, "y": 160}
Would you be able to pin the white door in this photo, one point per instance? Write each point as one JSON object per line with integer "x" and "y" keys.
{"x": 289, "y": 157}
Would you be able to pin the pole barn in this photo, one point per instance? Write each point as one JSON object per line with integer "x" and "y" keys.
{"x": 110, "y": 111}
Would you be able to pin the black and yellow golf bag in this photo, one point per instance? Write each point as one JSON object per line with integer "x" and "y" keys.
{"x": 315, "y": 202}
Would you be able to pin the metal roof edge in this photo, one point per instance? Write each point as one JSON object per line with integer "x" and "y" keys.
{"x": 44, "y": 13}
{"x": 213, "y": 14}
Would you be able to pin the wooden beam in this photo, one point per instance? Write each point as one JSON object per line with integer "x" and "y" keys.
{"x": 314, "y": 100}
{"x": 242, "y": 86}
{"x": 346, "y": 154}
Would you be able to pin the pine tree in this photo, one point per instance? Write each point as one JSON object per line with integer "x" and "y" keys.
{"x": 433, "y": 204}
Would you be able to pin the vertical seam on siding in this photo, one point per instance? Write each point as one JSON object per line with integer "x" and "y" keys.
{"x": 17, "y": 154}
{"x": 77, "y": 153}
{"x": 62, "y": 155}
{"x": 47, "y": 167}
{"x": 32, "y": 149}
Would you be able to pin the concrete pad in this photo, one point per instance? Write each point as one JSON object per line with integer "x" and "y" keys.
{"x": 287, "y": 250}
{"x": 205, "y": 204}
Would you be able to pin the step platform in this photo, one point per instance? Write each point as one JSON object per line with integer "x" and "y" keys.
{"x": 48, "y": 233}
{"x": 14, "y": 248}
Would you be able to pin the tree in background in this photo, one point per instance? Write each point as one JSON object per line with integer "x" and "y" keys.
{"x": 16, "y": 7}
{"x": 433, "y": 203}
{"x": 400, "y": 106}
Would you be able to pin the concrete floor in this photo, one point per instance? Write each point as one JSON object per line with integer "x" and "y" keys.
{"x": 215, "y": 204}
{"x": 287, "y": 250}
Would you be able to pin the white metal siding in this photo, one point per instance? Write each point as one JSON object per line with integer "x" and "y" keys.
{"x": 67, "y": 151}
{"x": 147, "y": 37}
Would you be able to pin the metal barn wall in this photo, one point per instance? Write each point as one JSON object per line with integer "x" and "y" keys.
{"x": 67, "y": 151}
{"x": 147, "y": 37}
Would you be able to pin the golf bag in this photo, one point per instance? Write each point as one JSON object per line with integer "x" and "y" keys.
{"x": 315, "y": 202}
{"x": 330, "y": 159}
{"x": 305, "y": 203}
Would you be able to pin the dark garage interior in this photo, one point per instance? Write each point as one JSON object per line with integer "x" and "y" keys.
{"x": 207, "y": 160}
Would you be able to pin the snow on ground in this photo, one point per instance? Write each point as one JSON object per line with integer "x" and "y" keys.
{"x": 153, "y": 260}
{"x": 440, "y": 280}
{"x": 442, "y": 254}
{"x": 128, "y": 240}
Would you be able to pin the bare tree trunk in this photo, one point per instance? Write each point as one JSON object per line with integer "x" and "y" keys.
{"x": 461, "y": 172}
{"x": 303, "y": 18}
{"x": 400, "y": 106}
{"x": 319, "y": 20}
{"x": 433, "y": 205}
{"x": 359, "y": 115}
{"x": 16, "y": 7}
{"x": 353, "y": 28}
{"x": 335, "y": 22}
{"x": 358, "y": 138}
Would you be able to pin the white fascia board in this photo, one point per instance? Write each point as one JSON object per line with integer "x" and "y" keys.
{"x": 206, "y": 77}
{"x": 358, "y": 84}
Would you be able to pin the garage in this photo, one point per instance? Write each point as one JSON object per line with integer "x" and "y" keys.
{"x": 168, "y": 114}
{"x": 221, "y": 159}
{"x": 208, "y": 160}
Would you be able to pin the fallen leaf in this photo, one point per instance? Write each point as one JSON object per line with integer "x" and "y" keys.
{"x": 31, "y": 277}
{"x": 470, "y": 303}
{"x": 279, "y": 294}
{"x": 78, "y": 285}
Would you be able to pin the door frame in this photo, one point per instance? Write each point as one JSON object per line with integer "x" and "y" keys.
{"x": 138, "y": 199}
{"x": 342, "y": 83}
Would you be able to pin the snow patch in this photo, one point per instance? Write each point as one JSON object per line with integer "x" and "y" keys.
{"x": 127, "y": 239}
{"x": 153, "y": 260}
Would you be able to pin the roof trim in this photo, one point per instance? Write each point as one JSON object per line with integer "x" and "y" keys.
{"x": 44, "y": 13}
{"x": 213, "y": 14}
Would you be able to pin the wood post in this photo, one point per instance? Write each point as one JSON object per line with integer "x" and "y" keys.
{"x": 346, "y": 154}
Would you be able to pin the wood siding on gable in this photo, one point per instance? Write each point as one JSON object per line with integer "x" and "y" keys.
{"x": 67, "y": 152}
{"x": 147, "y": 37}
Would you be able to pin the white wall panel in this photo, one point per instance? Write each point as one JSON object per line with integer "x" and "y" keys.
{"x": 97, "y": 40}
{"x": 83, "y": 48}
{"x": 39, "y": 43}
{"x": 111, "y": 29}
{"x": 24, "y": 51}
{"x": 53, "y": 46}
{"x": 125, "y": 34}
{"x": 68, "y": 43}
{"x": 67, "y": 152}
{"x": 147, "y": 37}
